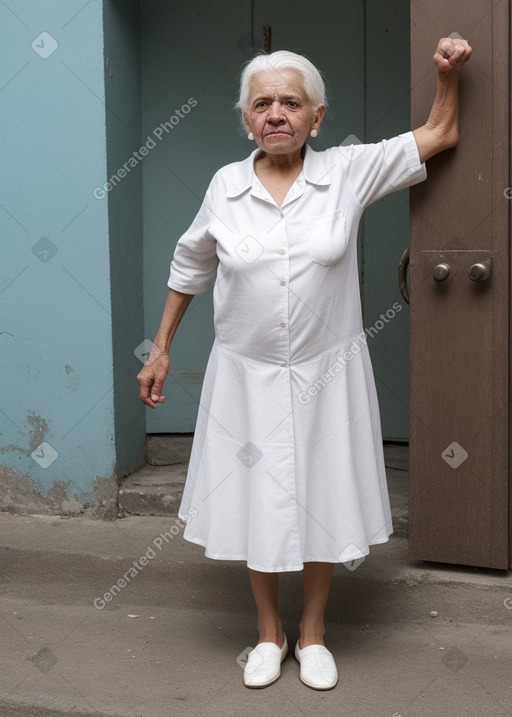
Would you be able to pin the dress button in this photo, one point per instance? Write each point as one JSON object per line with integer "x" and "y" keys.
{"x": 281, "y": 215}
{"x": 283, "y": 283}
{"x": 282, "y": 324}
{"x": 282, "y": 251}
{"x": 284, "y": 365}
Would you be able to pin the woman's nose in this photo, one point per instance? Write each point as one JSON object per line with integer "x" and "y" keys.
{"x": 275, "y": 112}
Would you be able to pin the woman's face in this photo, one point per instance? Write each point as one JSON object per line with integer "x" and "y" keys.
{"x": 279, "y": 113}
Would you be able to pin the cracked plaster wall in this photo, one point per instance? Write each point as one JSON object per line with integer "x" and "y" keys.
{"x": 59, "y": 448}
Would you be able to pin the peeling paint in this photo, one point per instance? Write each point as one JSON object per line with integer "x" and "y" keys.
{"x": 21, "y": 494}
{"x": 106, "y": 492}
{"x": 36, "y": 437}
{"x": 72, "y": 378}
{"x": 11, "y": 448}
{"x": 38, "y": 432}
{"x": 58, "y": 492}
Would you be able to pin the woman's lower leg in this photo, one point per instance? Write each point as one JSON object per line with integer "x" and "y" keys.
{"x": 265, "y": 591}
{"x": 317, "y": 585}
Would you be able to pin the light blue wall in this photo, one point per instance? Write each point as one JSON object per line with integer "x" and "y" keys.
{"x": 56, "y": 309}
{"x": 123, "y": 126}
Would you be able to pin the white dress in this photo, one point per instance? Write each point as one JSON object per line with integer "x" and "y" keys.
{"x": 287, "y": 463}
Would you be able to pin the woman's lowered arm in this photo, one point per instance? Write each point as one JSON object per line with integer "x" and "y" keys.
{"x": 156, "y": 368}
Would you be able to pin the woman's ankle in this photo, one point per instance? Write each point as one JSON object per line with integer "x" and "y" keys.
{"x": 311, "y": 635}
{"x": 271, "y": 634}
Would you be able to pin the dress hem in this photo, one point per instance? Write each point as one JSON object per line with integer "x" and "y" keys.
{"x": 286, "y": 568}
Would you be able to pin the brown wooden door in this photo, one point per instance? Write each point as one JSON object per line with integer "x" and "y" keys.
{"x": 459, "y": 500}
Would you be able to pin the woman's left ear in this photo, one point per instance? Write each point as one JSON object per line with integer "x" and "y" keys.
{"x": 244, "y": 119}
{"x": 319, "y": 115}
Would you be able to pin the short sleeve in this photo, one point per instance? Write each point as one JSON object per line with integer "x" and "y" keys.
{"x": 195, "y": 260}
{"x": 375, "y": 170}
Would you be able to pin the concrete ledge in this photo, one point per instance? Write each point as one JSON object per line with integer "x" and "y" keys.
{"x": 125, "y": 540}
{"x": 167, "y": 449}
{"x": 153, "y": 491}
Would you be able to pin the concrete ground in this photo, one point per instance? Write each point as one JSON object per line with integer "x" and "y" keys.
{"x": 410, "y": 639}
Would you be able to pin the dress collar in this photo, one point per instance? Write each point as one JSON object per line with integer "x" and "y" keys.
{"x": 314, "y": 171}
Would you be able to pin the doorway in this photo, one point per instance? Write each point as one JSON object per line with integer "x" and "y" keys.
{"x": 191, "y": 54}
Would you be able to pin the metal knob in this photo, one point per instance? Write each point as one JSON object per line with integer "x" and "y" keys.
{"x": 480, "y": 271}
{"x": 441, "y": 272}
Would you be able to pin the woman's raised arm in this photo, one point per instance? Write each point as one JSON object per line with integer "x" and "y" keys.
{"x": 441, "y": 130}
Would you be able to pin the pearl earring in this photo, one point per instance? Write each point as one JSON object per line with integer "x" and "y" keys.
{"x": 250, "y": 136}
{"x": 313, "y": 133}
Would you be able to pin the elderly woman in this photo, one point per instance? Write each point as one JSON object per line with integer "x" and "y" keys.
{"x": 287, "y": 470}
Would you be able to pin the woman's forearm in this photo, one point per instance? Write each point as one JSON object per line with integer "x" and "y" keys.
{"x": 174, "y": 309}
{"x": 154, "y": 372}
{"x": 441, "y": 130}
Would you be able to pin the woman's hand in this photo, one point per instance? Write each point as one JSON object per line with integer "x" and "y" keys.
{"x": 156, "y": 368}
{"x": 451, "y": 54}
{"x": 152, "y": 377}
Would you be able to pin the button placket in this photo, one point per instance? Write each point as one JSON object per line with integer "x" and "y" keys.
{"x": 283, "y": 278}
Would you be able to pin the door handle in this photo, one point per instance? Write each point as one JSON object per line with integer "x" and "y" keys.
{"x": 402, "y": 275}
{"x": 441, "y": 272}
{"x": 481, "y": 271}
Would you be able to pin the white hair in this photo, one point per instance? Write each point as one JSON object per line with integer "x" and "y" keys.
{"x": 283, "y": 60}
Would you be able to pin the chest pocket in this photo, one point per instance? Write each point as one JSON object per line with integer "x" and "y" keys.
{"x": 327, "y": 237}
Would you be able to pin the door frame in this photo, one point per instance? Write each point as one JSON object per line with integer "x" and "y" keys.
{"x": 436, "y": 526}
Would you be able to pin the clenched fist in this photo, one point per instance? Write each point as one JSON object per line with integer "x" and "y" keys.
{"x": 451, "y": 54}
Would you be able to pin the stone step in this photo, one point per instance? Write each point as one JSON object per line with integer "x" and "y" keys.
{"x": 157, "y": 488}
{"x": 167, "y": 449}
{"x": 154, "y": 490}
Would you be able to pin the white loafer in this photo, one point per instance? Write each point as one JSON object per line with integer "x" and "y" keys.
{"x": 263, "y": 666}
{"x": 317, "y": 667}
